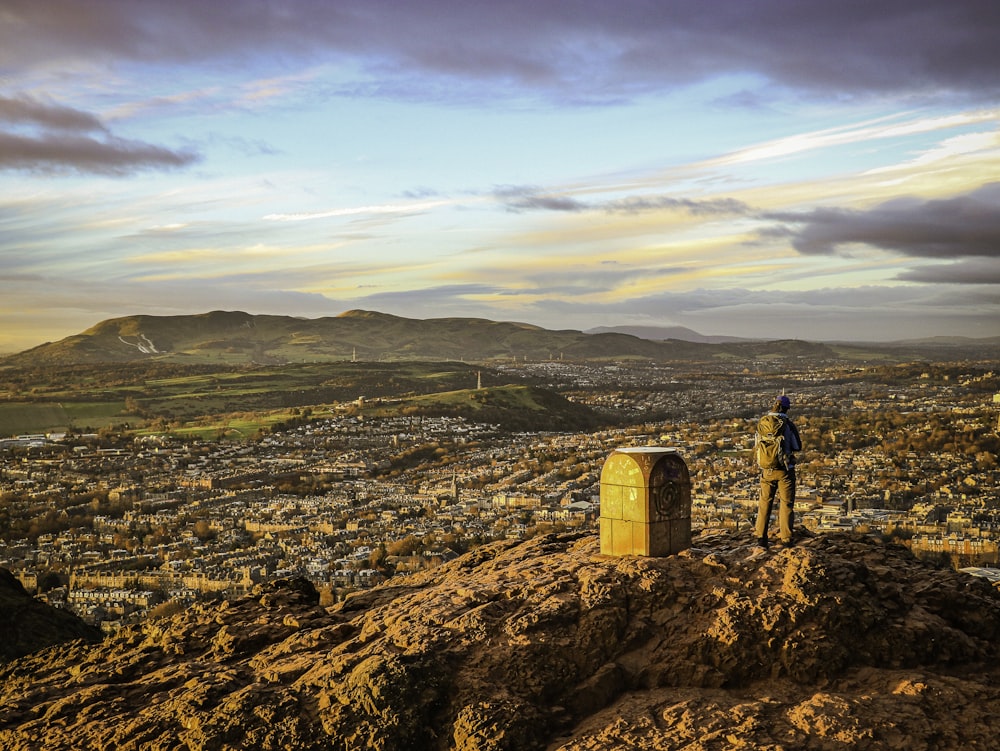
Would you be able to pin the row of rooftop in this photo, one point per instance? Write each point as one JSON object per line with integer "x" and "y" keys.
{"x": 173, "y": 517}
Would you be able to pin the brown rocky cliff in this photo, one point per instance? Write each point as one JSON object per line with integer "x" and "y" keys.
{"x": 841, "y": 642}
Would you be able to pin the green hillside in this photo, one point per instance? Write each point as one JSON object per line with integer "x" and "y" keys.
{"x": 513, "y": 407}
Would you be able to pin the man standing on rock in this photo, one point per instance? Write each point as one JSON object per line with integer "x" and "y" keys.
{"x": 776, "y": 441}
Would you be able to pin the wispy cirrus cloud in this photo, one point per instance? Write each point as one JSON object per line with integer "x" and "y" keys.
{"x": 895, "y": 126}
{"x": 528, "y": 198}
{"x": 399, "y": 208}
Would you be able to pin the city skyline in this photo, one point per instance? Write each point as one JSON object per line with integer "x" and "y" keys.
{"x": 769, "y": 169}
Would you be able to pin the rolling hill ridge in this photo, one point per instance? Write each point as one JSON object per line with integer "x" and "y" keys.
{"x": 237, "y": 337}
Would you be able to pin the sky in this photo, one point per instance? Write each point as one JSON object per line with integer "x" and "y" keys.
{"x": 762, "y": 168}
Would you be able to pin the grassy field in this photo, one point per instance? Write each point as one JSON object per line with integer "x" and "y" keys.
{"x": 226, "y": 427}
{"x": 44, "y": 417}
{"x": 17, "y": 419}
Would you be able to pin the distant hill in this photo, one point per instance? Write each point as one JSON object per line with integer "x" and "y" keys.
{"x": 841, "y": 642}
{"x": 923, "y": 346}
{"x": 987, "y": 345}
{"x": 234, "y": 337}
{"x": 664, "y": 333}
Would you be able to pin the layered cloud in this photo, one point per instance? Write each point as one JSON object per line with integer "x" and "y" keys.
{"x": 590, "y": 50}
{"x": 803, "y": 169}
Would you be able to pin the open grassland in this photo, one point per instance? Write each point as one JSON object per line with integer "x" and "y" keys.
{"x": 97, "y": 414}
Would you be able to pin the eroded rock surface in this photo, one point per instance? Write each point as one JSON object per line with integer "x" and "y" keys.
{"x": 841, "y": 642}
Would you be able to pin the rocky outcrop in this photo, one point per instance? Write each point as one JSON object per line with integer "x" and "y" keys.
{"x": 841, "y": 642}
{"x": 27, "y": 624}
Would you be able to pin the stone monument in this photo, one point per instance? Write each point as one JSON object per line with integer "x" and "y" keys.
{"x": 645, "y": 502}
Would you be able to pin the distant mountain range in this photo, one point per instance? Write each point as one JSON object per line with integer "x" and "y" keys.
{"x": 224, "y": 337}
{"x": 681, "y": 333}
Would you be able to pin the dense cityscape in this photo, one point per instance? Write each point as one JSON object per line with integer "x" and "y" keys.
{"x": 115, "y": 525}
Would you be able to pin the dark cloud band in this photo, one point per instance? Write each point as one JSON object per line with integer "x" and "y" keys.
{"x": 960, "y": 227}
{"x": 22, "y": 109}
{"x": 113, "y": 156}
{"x": 586, "y": 50}
{"x": 63, "y": 139}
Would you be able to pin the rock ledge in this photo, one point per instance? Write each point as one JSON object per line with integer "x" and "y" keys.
{"x": 841, "y": 642}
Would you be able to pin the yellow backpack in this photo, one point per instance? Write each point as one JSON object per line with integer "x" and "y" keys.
{"x": 769, "y": 445}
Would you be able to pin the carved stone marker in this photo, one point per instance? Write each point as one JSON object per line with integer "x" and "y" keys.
{"x": 645, "y": 502}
